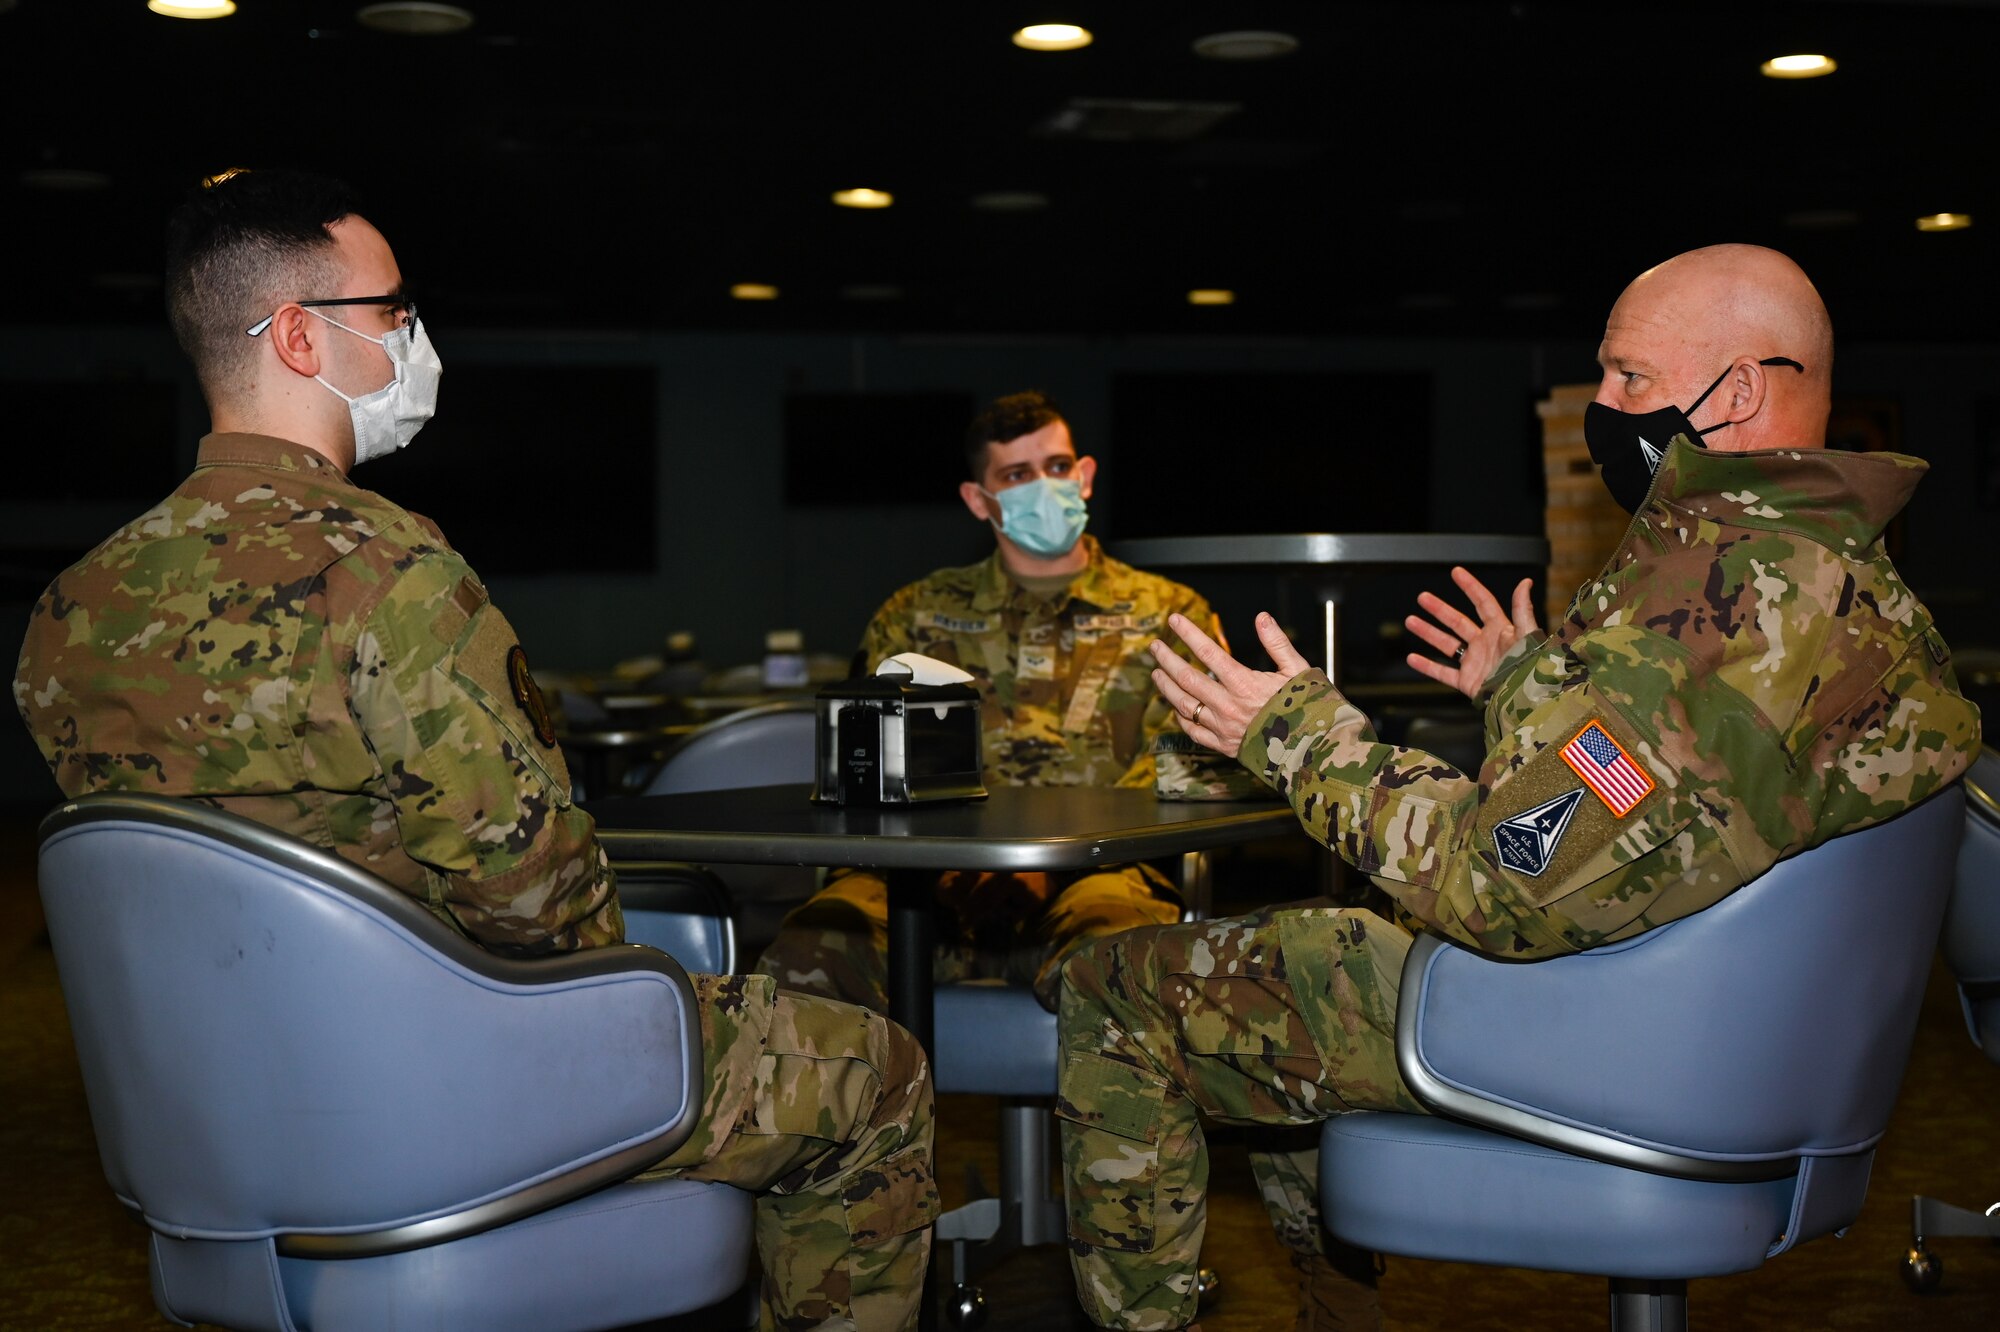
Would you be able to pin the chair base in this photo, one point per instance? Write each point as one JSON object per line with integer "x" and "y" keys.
{"x": 1648, "y": 1306}
{"x": 1932, "y": 1219}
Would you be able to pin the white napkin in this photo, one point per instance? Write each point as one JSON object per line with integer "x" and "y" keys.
{"x": 923, "y": 670}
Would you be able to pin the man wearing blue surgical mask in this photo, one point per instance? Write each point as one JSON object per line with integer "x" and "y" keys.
{"x": 1053, "y": 632}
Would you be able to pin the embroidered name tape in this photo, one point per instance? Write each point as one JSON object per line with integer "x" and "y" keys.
{"x": 1607, "y": 769}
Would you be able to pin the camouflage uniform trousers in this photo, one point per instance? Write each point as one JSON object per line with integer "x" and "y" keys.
{"x": 824, "y": 1110}
{"x": 1284, "y": 1017}
{"x": 1017, "y": 927}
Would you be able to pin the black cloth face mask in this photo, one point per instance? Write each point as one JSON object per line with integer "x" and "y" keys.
{"x": 1628, "y": 446}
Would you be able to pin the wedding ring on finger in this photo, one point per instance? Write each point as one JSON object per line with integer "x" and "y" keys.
{"x": 1460, "y": 654}
{"x": 1194, "y": 718}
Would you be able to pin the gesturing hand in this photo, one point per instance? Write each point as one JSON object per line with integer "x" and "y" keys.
{"x": 1473, "y": 649}
{"x": 1217, "y": 711}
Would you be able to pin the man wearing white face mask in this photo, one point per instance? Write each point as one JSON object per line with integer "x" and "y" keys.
{"x": 299, "y": 650}
{"x": 1053, "y": 632}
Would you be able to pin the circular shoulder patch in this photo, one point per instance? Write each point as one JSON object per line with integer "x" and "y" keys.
{"x": 529, "y": 695}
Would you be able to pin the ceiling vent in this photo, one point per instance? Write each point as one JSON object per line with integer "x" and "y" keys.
{"x": 1115, "y": 120}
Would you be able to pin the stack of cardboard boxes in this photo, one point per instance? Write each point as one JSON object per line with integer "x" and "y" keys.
{"x": 1583, "y": 522}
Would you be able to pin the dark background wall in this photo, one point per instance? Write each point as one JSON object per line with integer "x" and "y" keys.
{"x": 616, "y": 488}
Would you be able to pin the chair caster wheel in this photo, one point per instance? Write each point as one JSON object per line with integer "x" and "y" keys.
{"x": 1207, "y": 1289}
{"x": 1922, "y": 1270}
{"x": 968, "y": 1308}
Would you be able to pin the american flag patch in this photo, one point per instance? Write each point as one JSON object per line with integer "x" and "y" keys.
{"x": 1607, "y": 769}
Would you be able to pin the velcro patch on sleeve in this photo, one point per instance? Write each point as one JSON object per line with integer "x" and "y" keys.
{"x": 1604, "y": 766}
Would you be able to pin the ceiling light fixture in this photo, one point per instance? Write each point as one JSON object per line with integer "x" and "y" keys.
{"x": 1944, "y": 222}
{"x": 192, "y": 9}
{"x": 1010, "y": 201}
{"x": 1211, "y": 296}
{"x": 1053, "y": 37}
{"x": 65, "y": 180}
{"x": 1797, "y": 67}
{"x": 863, "y": 198}
{"x": 754, "y": 291}
{"x": 1245, "y": 45}
{"x": 1821, "y": 219}
{"x": 414, "y": 18}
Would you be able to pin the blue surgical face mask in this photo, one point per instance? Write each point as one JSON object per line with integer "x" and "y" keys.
{"x": 1043, "y": 517}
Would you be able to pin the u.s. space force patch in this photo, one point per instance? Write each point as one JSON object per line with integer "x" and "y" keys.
{"x": 1527, "y": 842}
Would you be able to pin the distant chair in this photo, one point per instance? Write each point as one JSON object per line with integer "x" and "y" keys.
{"x": 1971, "y": 947}
{"x": 766, "y": 745}
{"x": 1684, "y": 1104}
{"x": 332, "y": 1111}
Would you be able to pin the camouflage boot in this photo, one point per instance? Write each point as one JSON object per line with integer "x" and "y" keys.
{"x": 1337, "y": 1290}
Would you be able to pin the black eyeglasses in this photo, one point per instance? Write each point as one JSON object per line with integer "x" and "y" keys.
{"x": 403, "y": 305}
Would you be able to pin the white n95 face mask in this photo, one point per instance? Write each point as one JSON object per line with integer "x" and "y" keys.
{"x": 390, "y": 417}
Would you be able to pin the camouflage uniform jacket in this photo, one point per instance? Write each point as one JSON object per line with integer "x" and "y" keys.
{"x": 1066, "y": 694}
{"x": 307, "y": 654}
{"x": 1747, "y": 677}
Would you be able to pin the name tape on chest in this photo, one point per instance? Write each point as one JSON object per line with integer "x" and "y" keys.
{"x": 1607, "y": 769}
{"x": 953, "y": 624}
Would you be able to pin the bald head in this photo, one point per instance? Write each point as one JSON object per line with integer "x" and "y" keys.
{"x": 1716, "y": 311}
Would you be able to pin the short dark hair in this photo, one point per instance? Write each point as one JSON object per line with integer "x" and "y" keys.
{"x": 239, "y": 245}
{"x": 1003, "y": 419}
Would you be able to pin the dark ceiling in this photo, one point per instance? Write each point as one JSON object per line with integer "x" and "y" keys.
{"x": 1420, "y": 167}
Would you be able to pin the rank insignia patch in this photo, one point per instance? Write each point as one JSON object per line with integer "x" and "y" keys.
{"x": 1527, "y": 842}
{"x": 1607, "y": 769}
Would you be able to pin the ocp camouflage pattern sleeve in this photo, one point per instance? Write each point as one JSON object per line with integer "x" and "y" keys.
{"x": 481, "y": 796}
{"x": 1748, "y": 678}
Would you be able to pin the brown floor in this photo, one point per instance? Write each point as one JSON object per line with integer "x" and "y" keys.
{"x": 73, "y": 1260}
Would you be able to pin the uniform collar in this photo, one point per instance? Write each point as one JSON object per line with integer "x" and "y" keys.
{"x": 993, "y": 589}
{"x": 1838, "y": 499}
{"x": 236, "y": 449}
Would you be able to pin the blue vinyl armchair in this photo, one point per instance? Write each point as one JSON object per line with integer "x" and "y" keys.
{"x": 331, "y": 1111}
{"x": 1971, "y": 949}
{"x": 1685, "y": 1104}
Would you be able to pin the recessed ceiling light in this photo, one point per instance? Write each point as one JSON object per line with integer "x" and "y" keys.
{"x": 1797, "y": 67}
{"x": 863, "y": 198}
{"x": 1010, "y": 201}
{"x": 1944, "y": 222}
{"x": 414, "y": 18}
{"x": 192, "y": 9}
{"x": 871, "y": 291}
{"x": 65, "y": 180}
{"x": 1053, "y": 37}
{"x": 754, "y": 291}
{"x": 1211, "y": 296}
{"x": 1821, "y": 219}
{"x": 1245, "y": 45}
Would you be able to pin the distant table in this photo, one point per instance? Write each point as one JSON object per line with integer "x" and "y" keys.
{"x": 1330, "y": 557}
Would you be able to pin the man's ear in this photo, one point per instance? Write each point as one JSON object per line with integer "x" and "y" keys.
{"x": 975, "y": 501}
{"x": 1086, "y": 475}
{"x": 1747, "y": 387}
{"x": 291, "y": 334}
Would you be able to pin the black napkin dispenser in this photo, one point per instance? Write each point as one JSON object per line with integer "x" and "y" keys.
{"x": 884, "y": 741}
